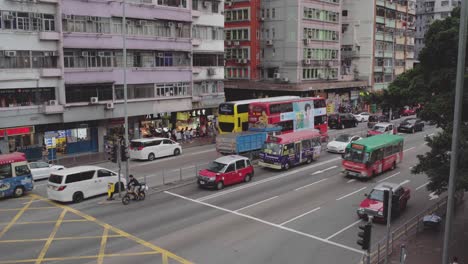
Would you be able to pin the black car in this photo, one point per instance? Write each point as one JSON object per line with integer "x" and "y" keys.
{"x": 411, "y": 125}
{"x": 342, "y": 121}
{"x": 395, "y": 114}
{"x": 374, "y": 119}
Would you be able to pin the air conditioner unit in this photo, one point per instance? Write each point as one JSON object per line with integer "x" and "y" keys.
{"x": 307, "y": 41}
{"x": 285, "y": 79}
{"x": 47, "y": 53}
{"x": 10, "y": 53}
{"x": 261, "y": 18}
{"x": 211, "y": 71}
{"x": 229, "y": 43}
{"x": 240, "y": 60}
{"x": 84, "y": 54}
{"x": 180, "y": 25}
{"x": 68, "y": 17}
{"x": 54, "y": 53}
{"x": 160, "y": 54}
{"x": 109, "y": 105}
{"x": 206, "y": 4}
{"x": 94, "y": 100}
{"x": 236, "y": 43}
{"x": 269, "y": 42}
{"x": 245, "y": 61}
{"x": 100, "y": 53}
{"x": 276, "y": 75}
{"x": 307, "y": 61}
{"x": 53, "y": 102}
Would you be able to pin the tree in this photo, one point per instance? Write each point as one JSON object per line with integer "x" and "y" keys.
{"x": 432, "y": 83}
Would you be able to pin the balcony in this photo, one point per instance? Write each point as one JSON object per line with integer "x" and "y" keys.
{"x": 383, "y": 54}
{"x": 48, "y": 1}
{"x": 50, "y": 109}
{"x": 388, "y": 69}
{"x": 378, "y": 68}
{"x": 49, "y": 35}
{"x": 383, "y": 37}
{"x": 380, "y": 20}
{"x": 390, "y": 22}
{"x": 51, "y": 72}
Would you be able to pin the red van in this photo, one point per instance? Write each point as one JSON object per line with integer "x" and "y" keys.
{"x": 226, "y": 170}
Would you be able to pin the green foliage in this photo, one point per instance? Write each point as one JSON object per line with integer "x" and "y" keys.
{"x": 432, "y": 83}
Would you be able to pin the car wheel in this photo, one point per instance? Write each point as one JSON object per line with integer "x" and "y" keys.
{"x": 176, "y": 152}
{"x": 309, "y": 160}
{"x": 151, "y": 157}
{"x": 393, "y": 166}
{"x": 286, "y": 166}
{"x": 126, "y": 199}
{"x": 355, "y": 124}
{"x": 142, "y": 196}
{"x": 219, "y": 185}
{"x": 247, "y": 178}
{"x": 412, "y": 130}
{"x": 18, "y": 192}
{"x": 78, "y": 197}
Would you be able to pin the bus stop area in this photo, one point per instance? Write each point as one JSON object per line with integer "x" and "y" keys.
{"x": 36, "y": 230}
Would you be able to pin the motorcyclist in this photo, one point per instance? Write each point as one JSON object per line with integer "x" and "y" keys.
{"x": 133, "y": 184}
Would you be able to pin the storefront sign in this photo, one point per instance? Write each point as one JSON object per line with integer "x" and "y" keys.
{"x": 354, "y": 95}
{"x": 183, "y": 116}
{"x": 15, "y": 131}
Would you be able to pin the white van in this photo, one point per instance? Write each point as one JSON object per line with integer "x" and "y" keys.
{"x": 151, "y": 148}
{"x": 78, "y": 183}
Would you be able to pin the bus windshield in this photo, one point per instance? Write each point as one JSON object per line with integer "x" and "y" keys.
{"x": 273, "y": 149}
{"x": 356, "y": 156}
{"x": 226, "y": 109}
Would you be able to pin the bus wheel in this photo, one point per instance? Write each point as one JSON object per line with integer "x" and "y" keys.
{"x": 309, "y": 160}
{"x": 286, "y": 166}
{"x": 393, "y": 166}
{"x": 19, "y": 191}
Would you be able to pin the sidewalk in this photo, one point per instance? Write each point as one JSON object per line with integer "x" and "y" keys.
{"x": 99, "y": 157}
{"x": 427, "y": 246}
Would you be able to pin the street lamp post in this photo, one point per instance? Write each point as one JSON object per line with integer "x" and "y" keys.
{"x": 124, "y": 44}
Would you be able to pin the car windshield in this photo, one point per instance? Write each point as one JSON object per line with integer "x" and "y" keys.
{"x": 379, "y": 128}
{"x": 376, "y": 195}
{"x": 273, "y": 148}
{"x": 216, "y": 166}
{"x": 355, "y": 155}
{"x": 343, "y": 138}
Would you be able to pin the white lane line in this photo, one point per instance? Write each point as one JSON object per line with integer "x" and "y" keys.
{"x": 308, "y": 185}
{"x": 266, "y": 180}
{"x": 408, "y": 149}
{"x": 257, "y": 203}
{"x": 299, "y": 216}
{"x": 268, "y": 223}
{"x": 344, "y": 229}
{"x": 324, "y": 170}
{"x": 391, "y": 176}
{"x": 404, "y": 182}
{"x": 168, "y": 159}
{"x": 417, "y": 188}
{"x": 350, "y": 181}
{"x": 349, "y": 194}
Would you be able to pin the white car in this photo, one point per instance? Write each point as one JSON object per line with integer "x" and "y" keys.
{"x": 151, "y": 148}
{"x": 339, "y": 144}
{"x": 42, "y": 169}
{"x": 78, "y": 183}
{"x": 362, "y": 117}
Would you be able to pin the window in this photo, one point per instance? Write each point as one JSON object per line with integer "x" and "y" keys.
{"x": 153, "y": 143}
{"x": 273, "y": 13}
{"x": 83, "y": 93}
{"x": 230, "y": 168}
{"x": 5, "y": 171}
{"x": 208, "y": 59}
{"x": 281, "y": 108}
{"x": 105, "y": 173}
{"x": 240, "y": 164}
{"x": 26, "y": 96}
{"x": 248, "y": 163}
{"x": 41, "y": 164}
{"x": 195, "y": 4}
{"x": 167, "y": 142}
{"x": 215, "y": 6}
{"x": 72, "y": 178}
{"x": 87, "y": 175}
{"x": 344, "y": 13}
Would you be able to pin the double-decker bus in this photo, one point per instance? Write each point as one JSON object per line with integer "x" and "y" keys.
{"x": 370, "y": 156}
{"x": 284, "y": 151}
{"x": 234, "y": 116}
{"x": 292, "y": 115}
{"x": 15, "y": 176}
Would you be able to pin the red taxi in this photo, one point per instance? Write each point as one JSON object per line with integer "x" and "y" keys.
{"x": 382, "y": 128}
{"x": 373, "y": 204}
{"x": 226, "y": 170}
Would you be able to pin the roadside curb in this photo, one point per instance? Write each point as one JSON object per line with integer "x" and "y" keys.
{"x": 172, "y": 185}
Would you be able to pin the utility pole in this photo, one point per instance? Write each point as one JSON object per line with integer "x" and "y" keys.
{"x": 119, "y": 162}
{"x": 456, "y": 128}
{"x": 124, "y": 38}
{"x": 388, "y": 200}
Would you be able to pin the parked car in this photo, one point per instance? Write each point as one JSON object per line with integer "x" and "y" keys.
{"x": 225, "y": 171}
{"x": 362, "y": 117}
{"x": 42, "y": 169}
{"x": 338, "y": 145}
{"x": 374, "y": 119}
{"x": 151, "y": 148}
{"x": 411, "y": 125}
{"x": 342, "y": 121}
{"x": 78, "y": 183}
{"x": 407, "y": 111}
{"x": 373, "y": 204}
{"x": 382, "y": 128}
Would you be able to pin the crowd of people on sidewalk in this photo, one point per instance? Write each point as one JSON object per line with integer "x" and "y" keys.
{"x": 185, "y": 134}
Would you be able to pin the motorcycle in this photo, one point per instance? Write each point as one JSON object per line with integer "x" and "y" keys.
{"x": 140, "y": 196}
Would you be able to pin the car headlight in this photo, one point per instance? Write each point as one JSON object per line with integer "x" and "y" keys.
{"x": 361, "y": 210}
{"x": 211, "y": 179}
{"x": 364, "y": 174}
{"x": 380, "y": 213}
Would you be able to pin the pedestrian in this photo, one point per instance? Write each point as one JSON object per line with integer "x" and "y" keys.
{"x": 178, "y": 136}
{"x": 455, "y": 260}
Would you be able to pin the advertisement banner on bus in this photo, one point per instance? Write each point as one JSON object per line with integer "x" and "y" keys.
{"x": 304, "y": 115}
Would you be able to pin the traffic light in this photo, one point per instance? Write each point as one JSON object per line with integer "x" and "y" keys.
{"x": 365, "y": 236}
{"x": 123, "y": 153}
{"x": 112, "y": 154}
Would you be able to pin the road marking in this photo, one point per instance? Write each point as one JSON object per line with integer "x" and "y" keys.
{"x": 308, "y": 185}
{"x": 102, "y": 249}
{"x": 349, "y": 194}
{"x": 404, "y": 182}
{"x": 299, "y": 216}
{"x": 324, "y": 170}
{"x": 56, "y": 239}
{"x": 51, "y": 237}
{"x": 344, "y": 229}
{"x": 419, "y": 187}
{"x": 17, "y": 216}
{"x": 48, "y": 222}
{"x": 391, "y": 176}
{"x": 30, "y": 208}
{"x": 266, "y": 223}
{"x": 257, "y": 203}
{"x": 408, "y": 149}
{"x": 265, "y": 180}
{"x": 350, "y": 181}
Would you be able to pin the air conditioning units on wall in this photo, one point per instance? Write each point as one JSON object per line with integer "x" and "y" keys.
{"x": 269, "y": 42}
{"x": 211, "y": 71}
{"x": 94, "y": 100}
{"x": 307, "y": 61}
{"x": 109, "y": 106}
{"x": 236, "y": 43}
{"x": 307, "y": 41}
{"x": 276, "y": 75}
{"x": 53, "y": 102}
{"x": 10, "y": 53}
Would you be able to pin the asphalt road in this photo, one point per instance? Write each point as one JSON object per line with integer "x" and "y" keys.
{"x": 305, "y": 215}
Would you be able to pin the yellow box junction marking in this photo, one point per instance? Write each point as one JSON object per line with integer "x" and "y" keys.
{"x": 51, "y": 237}
{"x": 17, "y": 216}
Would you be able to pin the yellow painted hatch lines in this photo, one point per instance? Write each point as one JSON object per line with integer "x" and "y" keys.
{"x": 103, "y": 239}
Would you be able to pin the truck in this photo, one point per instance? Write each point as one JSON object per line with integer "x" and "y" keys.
{"x": 250, "y": 141}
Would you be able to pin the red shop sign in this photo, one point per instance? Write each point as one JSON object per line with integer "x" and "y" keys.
{"x": 14, "y": 131}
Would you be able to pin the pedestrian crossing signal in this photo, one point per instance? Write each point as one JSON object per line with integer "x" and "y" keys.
{"x": 365, "y": 236}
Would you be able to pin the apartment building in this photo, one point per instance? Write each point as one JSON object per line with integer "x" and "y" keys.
{"x": 62, "y": 78}
{"x": 208, "y": 55}
{"x": 427, "y": 11}
{"x": 378, "y": 39}
{"x": 30, "y": 69}
{"x": 298, "y": 52}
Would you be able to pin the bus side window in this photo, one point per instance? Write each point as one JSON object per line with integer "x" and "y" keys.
{"x": 306, "y": 144}
{"x": 238, "y": 122}
{"x": 388, "y": 151}
{"x": 22, "y": 170}
{"x": 5, "y": 171}
{"x": 380, "y": 154}
{"x": 288, "y": 149}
